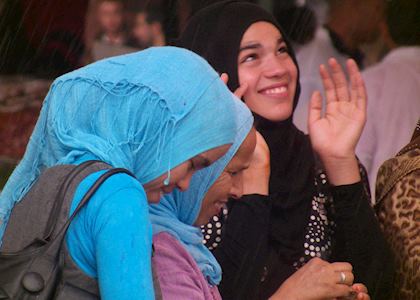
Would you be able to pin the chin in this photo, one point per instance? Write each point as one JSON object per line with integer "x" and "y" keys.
{"x": 276, "y": 113}
{"x": 276, "y": 117}
{"x": 153, "y": 198}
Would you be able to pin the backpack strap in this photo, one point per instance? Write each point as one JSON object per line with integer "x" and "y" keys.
{"x": 58, "y": 239}
{"x": 64, "y": 188}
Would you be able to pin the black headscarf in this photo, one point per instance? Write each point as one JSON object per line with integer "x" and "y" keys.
{"x": 215, "y": 33}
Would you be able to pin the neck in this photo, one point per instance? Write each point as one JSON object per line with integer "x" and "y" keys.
{"x": 114, "y": 36}
{"x": 159, "y": 40}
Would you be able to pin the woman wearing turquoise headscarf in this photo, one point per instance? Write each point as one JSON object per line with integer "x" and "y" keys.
{"x": 147, "y": 112}
{"x": 186, "y": 269}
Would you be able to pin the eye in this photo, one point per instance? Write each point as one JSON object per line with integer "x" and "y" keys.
{"x": 249, "y": 57}
{"x": 193, "y": 167}
{"x": 283, "y": 49}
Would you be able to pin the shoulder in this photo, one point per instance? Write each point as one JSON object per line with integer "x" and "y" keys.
{"x": 168, "y": 251}
{"x": 178, "y": 274}
{"x": 116, "y": 186}
{"x": 120, "y": 198}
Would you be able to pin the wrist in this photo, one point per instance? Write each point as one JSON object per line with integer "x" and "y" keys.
{"x": 283, "y": 293}
{"x": 342, "y": 170}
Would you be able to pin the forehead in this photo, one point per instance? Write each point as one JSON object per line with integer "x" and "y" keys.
{"x": 243, "y": 156}
{"x": 110, "y": 5}
{"x": 260, "y": 32}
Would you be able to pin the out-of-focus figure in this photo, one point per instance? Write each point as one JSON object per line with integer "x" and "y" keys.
{"x": 148, "y": 29}
{"x": 393, "y": 87}
{"x": 112, "y": 37}
{"x": 398, "y": 208}
{"x": 349, "y": 24}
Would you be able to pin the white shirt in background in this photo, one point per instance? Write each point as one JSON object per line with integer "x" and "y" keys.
{"x": 310, "y": 56}
{"x": 393, "y": 88}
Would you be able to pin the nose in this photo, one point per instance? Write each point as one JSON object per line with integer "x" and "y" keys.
{"x": 274, "y": 67}
{"x": 236, "y": 191}
{"x": 184, "y": 183}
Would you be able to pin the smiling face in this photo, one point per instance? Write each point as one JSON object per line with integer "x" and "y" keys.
{"x": 266, "y": 66}
{"x": 180, "y": 176}
{"x": 229, "y": 183}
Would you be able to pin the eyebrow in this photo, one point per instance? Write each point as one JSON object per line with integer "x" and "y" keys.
{"x": 256, "y": 45}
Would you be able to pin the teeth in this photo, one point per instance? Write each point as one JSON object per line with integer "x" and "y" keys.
{"x": 278, "y": 90}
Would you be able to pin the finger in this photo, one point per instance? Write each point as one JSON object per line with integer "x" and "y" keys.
{"x": 224, "y": 77}
{"x": 363, "y": 296}
{"x": 315, "y": 108}
{"x": 241, "y": 90}
{"x": 358, "y": 89}
{"x": 353, "y": 81}
{"x": 341, "y": 291}
{"x": 359, "y": 287}
{"x": 342, "y": 266}
{"x": 340, "y": 80}
{"x": 345, "y": 277}
{"x": 328, "y": 84}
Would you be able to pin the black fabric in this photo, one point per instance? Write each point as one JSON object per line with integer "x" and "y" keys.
{"x": 215, "y": 33}
{"x": 358, "y": 239}
{"x": 237, "y": 251}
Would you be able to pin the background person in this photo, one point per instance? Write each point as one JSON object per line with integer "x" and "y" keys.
{"x": 148, "y": 30}
{"x": 393, "y": 86}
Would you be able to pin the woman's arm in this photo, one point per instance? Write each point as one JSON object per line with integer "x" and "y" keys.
{"x": 123, "y": 247}
{"x": 359, "y": 240}
{"x": 111, "y": 238}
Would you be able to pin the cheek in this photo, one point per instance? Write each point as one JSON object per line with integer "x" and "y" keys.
{"x": 222, "y": 187}
{"x": 248, "y": 77}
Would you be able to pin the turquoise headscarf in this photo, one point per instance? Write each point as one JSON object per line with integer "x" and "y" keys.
{"x": 147, "y": 112}
{"x": 177, "y": 212}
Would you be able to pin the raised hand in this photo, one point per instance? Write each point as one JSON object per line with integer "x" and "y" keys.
{"x": 335, "y": 134}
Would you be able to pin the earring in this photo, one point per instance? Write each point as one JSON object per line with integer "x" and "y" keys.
{"x": 166, "y": 181}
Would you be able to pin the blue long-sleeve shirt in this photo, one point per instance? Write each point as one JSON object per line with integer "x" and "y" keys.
{"x": 111, "y": 237}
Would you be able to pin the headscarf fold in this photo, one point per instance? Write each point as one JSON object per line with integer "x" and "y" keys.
{"x": 177, "y": 212}
{"x": 215, "y": 33}
{"x": 147, "y": 112}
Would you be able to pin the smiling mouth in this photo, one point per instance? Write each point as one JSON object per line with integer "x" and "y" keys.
{"x": 278, "y": 91}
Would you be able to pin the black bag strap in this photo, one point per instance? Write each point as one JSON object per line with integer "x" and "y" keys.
{"x": 58, "y": 204}
{"x": 92, "y": 190}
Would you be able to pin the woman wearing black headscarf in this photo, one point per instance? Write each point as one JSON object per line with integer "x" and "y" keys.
{"x": 318, "y": 205}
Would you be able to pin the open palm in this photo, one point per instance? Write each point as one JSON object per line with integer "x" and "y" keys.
{"x": 336, "y": 133}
